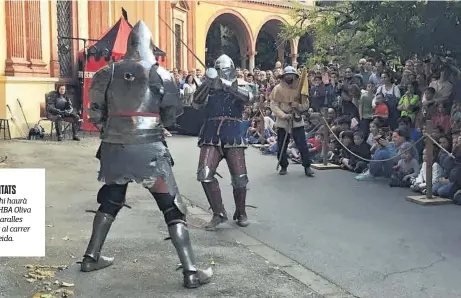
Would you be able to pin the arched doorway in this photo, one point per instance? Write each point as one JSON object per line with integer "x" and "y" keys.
{"x": 269, "y": 47}
{"x": 229, "y": 34}
{"x": 305, "y": 48}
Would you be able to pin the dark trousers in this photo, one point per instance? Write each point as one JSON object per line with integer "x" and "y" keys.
{"x": 364, "y": 126}
{"x": 71, "y": 118}
{"x": 300, "y": 140}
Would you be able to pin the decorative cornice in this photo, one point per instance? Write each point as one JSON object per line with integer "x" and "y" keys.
{"x": 273, "y": 3}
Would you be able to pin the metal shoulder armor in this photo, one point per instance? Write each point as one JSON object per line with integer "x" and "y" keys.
{"x": 97, "y": 109}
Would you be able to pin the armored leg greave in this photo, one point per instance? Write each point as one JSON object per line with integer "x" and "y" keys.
{"x": 235, "y": 158}
{"x": 213, "y": 195}
{"x": 179, "y": 235}
{"x": 111, "y": 199}
{"x": 92, "y": 259}
{"x": 240, "y": 214}
{"x": 210, "y": 157}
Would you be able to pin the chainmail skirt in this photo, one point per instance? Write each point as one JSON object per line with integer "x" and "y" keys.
{"x": 140, "y": 163}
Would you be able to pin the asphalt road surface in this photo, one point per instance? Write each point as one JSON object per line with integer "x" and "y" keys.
{"x": 363, "y": 236}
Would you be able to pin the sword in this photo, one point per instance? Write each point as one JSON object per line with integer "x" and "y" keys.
{"x": 184, "y": 44}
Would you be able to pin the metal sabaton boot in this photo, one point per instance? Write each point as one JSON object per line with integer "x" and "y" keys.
{"x": 193, "y": 277}
{"x": 92, "y": 260}
{"x": 240, "y": 214}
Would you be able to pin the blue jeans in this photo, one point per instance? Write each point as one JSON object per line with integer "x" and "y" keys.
{"x": 381, "y": 168}
{"x": 442, "y": 189}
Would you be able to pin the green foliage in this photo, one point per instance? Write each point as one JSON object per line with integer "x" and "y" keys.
{"x": 394, "y": 30}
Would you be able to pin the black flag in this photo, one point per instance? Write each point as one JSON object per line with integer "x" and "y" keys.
{"x": 124, "y": 14}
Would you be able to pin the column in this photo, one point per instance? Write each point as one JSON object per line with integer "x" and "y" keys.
{"x": 16, "y": 63}
{"x": 243, "y": 60}
{"x": 191, "y": 60}
{"x": 251, "y": 65}
{"x": 294, "y": 60}
{"x": 281, "y": 53}
{"x": 54, "y": 58}
{"x": 34, "y": 38}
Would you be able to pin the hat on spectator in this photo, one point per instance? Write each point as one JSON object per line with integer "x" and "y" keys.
{"x": 290, "y": 70}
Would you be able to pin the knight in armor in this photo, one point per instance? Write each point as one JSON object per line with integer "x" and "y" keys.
{"x": 287, "y": 104}
{"x": 132, "y": 100}
{"x": 220, "y": 138}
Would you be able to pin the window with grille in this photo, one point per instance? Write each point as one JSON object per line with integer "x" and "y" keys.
{"x": 178, "y": 46}
{"x": 64, "y": 18}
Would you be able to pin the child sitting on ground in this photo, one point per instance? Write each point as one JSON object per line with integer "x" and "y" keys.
{"x": 347, "y": 140}
{"x": 359, "y": 148}
{"x": 406, "y": 169}
{"x": 315, "y": 147}
{"x": 419, "y": 183}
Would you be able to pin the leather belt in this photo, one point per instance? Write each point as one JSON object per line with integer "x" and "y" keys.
{"x": 221, "y": 121}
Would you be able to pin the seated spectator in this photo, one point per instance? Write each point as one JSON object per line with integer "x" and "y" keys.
{"x": 441, "y": 118}
{"x": 312, "y": 124}
{"x": 383, "y": 163}
{"x": 331, "y": 115}
{"x": 443, "y": 187}
{"x": 419, "y": 183}
{"x": 315, "y": 147}
{"x": 404, "y": 123}
{"x": 340, "y": 153}
{"x": 59, "y": 108}
{"x": 409, "y": 102}
{"x": 407, "y": 168}
{"x": 381, "y": 109}
{"x": 360, "y": 149}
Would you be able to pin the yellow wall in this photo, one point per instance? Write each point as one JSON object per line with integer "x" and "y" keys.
{"x": 30, "y": 90}
{"x": 2, "y": 60}
{"x": 137, "y": 10}
{"x": 256, "y": 15}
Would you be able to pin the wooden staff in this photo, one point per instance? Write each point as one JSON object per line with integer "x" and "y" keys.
{"x": 429, "y": 160}
{"x": 325, "y": 148}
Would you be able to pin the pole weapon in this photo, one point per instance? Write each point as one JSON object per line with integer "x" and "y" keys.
{"x": 184, "y": 44}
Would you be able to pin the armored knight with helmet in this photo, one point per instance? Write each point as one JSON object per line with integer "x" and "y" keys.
{"x": 220, "y": 138}
{"x": 132, "y": 100}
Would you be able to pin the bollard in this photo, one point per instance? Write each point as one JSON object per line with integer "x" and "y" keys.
{"x": 325, "y": 148}
{"x": 429, "y": 147}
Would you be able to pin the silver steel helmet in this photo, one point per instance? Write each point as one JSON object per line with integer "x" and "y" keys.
{"x": 140, "y": 44}
{"x": 226, "y": 68}
{"x": 290, "y": 70}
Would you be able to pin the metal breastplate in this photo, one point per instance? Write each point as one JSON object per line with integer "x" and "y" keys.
{"x": 132, "y": 107}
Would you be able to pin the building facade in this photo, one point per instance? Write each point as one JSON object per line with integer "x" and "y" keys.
{"x": 42, "y": 39}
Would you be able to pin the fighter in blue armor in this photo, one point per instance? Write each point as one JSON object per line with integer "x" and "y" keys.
{"x": 220, "y": 138}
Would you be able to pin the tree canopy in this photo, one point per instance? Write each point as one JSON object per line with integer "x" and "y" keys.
{"x": 348, "y": 30}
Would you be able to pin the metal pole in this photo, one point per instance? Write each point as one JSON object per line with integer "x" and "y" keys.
{"x": 429, "y": 147}
{"x": 326, "y": 138}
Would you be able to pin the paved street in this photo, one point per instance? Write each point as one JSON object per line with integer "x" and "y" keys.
{"x": 363, "y": 237}
{"x": 145, "y": 263}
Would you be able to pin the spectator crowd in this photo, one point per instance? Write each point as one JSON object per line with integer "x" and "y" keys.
{"x": 377, "y": 115}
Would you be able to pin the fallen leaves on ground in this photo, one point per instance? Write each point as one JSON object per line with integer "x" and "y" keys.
{"x": 42, "y": 274}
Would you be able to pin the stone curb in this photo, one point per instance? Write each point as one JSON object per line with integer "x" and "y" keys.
{"x": 312, "y": 280}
